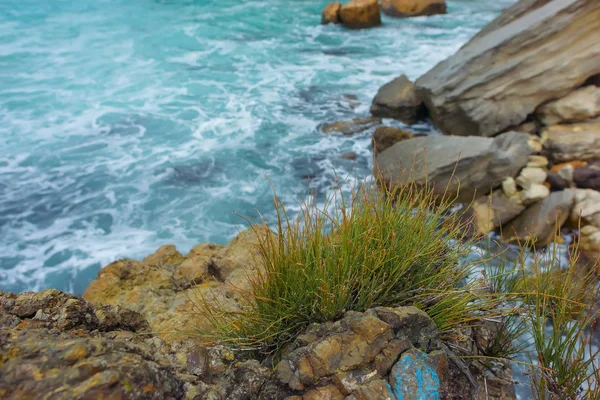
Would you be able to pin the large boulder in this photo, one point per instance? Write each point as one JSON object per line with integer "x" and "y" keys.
{"x": 579, "y": 105}
{"x": 359, "y": 14}
{"x": 166, "y": 286}
{"x": 413, "y": 8}
{"x": 398, "y": 99}
{"x": 57, "y": 346}
{"x": 473, "y": 165}
{"x": 496, "y": 80}
{"x": 540, "y": 223}
{"x": 573, "y": 141}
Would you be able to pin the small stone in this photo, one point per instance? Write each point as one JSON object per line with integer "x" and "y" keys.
{"x": 351, "y": 127}
{"x": 413, "y": 378}
{"x": 531, "y": 176}
{"x": 535, "y": 144}
{"x": 536, "y": 161}
{"x": 534, "y": 193}
{"x": 328, "y": 392}
{"x": 566, "y": 173}
{"x": 509, "y": 186}
{"x": 331, "y": 13}
{"x": 349, "y": 156}
{"x": 556, "y": 182}
{"x": 385, "y": 137}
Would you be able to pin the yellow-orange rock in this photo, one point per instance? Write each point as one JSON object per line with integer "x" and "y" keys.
{"x": 331, "y": 13}
{"x": 359, "y": 14}
{"x": 413, "y": 8}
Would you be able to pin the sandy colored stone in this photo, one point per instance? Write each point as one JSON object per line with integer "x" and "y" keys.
{"x": 579, "y": 105}
{"x": 413, "y": 8}
{"x": 531, "y": 176}
{"x": 385, "y": 137}
{"x": 493, "y": 211}
{"x": 537, "y": 161}
{"x": 573, "y": 142}
{"x": 534, "y": 193}
{"x": 359, "y": 14}
{"x": 331, "y": 13}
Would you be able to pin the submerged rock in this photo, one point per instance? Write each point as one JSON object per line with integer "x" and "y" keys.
{"x": 473, "y": 165}
{"x": 413, "y": 8}
{"x": 398, "y": 99}
{"x": 351, "y": 127}
{"x": 359, "y": 14}
{"x": 499, "y": 78}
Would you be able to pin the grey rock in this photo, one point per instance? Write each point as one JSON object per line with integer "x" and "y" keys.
{"x": 497, "y": 79}
{"x": 540, "y": 223}
{"x": 463, "y": 165}
{"x": 398, "y": 99}
{"x": 573, "y": 142}
{"x": 580, "y": 105}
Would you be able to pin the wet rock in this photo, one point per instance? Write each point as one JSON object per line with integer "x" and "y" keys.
{"x": 349, "y": 156}
{"x": 331, "y": 13}
{"x": 471, "y": 164}
{"x": 359, "y": 14}
{"x": 573, "y": 142}
{"x": 415, "y": 377}
{"x": 587, "y": 177}
{"x": 413, "y": 8}
{"x": 398, "y": 99}
{"x": 493, "y": 211}
{"x": 540, "y": 222}
{"x": 351, "y": 127}
{"x": 68, "y": 348}
{"x": 496, "y": 81}
{"x": 166, "y": 286}
{"x": 579, "y": 105}
{"x": 386, "y": 136}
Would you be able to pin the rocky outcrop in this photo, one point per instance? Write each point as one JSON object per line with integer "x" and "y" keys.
{"x": 573, "y": 142}
{"x": 398, "y": 99}
{"x": 57, "y": 346}
{"x": 384, "y": 353}
{"x": 498, "y": 79}
{"x": 579, "y": 105}
{"x": 331, "y": 13}
{"x": 351, "y": 127}
{"x": 166, "y": 286}
{"x": 540, "y": 223}
{"x": 359, "y": 14}
{"x": 413, "y": 8}
{"x": 463, "y": 165}
{"x": 386, "y": 136}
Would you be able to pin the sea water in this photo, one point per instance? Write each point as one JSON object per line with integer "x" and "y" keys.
{"x": 129, "y": 124}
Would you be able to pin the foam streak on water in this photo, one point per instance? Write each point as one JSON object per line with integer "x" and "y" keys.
{"x": 128, "y": 124}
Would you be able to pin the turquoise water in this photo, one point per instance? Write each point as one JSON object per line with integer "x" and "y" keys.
{"x": 128, "y": 124}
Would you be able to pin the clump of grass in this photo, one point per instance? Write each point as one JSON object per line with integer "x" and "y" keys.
{"x": 371, "y": 250}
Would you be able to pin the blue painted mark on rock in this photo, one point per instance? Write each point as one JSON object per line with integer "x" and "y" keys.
{"x": 412, "y": 378}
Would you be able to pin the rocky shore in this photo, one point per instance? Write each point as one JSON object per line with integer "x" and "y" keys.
{"x": 519, "y": 111}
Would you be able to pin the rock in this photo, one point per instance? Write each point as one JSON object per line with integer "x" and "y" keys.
{"x": 535, "y": 143}
{"x": 165, "y": 286}
{"x": 359, "y": 14}
{"x": 527, "y": 127}
{"x": 509, "y": 187}
{"x": 541, "y": 222}
{"x": 415, "y": 377}
{"x": 497, "y": 80}
{"x": 57, "y": 344}
{"x": 573, "y": 142}
{"x": 534, "y": 193}
{"x": 587, "y": 177}
{"x": 493, "y": 211}
{"x": 530, "y": 176}
{"x": 331, "y": 13}
{"x": 386, "y": 136}
{"x": 573, "y": 164}
{"x": 579, "y": 105}
{"x": 471, "y": 164}
{"x": 556, "y": 182}
{"x": 349, "y": 156}
{"x": 398, "y": 99}
{"x": 352, "y": 127}
{"x": 413, "y": 8}
{"x": 511, "y": 13}
{"x": 586, "y": 209}
{"x": 537, "y": 162}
